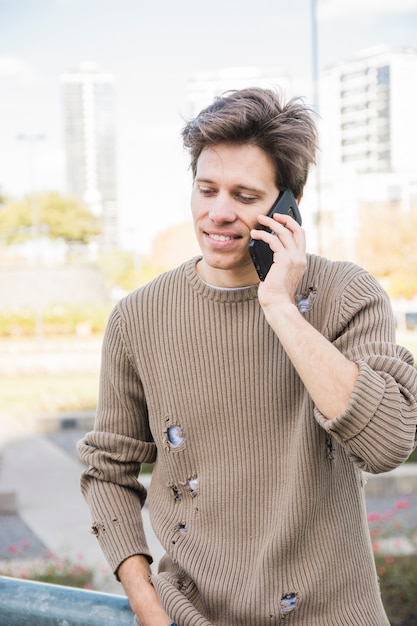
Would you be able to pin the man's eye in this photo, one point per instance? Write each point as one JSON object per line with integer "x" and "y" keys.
{"x": 206, "y": 191}
{"x": 246, "y": 199}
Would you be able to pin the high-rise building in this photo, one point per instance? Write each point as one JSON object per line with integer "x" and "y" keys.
{"x": 368, "y": 109}
{"x": 90, "y": 138}
{"x": 368, "y": 137}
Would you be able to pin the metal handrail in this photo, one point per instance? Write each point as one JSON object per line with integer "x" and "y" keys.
{"x": 30, "y": 603}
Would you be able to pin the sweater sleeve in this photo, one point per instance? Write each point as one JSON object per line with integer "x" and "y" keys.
{"x": 378, "y": 426}
{"x": 114, "y": 451}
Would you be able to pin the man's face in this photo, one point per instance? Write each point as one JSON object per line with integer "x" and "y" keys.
{"x": 233, "y": 185}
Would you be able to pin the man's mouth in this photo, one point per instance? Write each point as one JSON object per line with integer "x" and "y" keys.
{"x": 222, "y": 237}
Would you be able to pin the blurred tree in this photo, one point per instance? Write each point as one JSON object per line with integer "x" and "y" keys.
{"x": 174, "y": 245}
{"x": 57, "y": 217}
{"x": 149, "y": 270}
{"x": 386, "y": 246}
{"x": 120, "y": 268}
{"x": 128, "y": 270}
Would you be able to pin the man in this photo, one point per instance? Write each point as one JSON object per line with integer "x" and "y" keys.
{"x": 260, "y": 415}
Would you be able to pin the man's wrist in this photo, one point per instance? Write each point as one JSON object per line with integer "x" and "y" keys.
{"x": 280, "y": 311}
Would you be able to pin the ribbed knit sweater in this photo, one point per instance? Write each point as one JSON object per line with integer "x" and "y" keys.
{"x": 257, "y": 499}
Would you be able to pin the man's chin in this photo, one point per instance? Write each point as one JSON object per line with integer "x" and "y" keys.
{"x": 224, "y": 263}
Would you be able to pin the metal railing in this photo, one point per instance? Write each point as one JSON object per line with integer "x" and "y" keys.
{"x": 29, "y": 603}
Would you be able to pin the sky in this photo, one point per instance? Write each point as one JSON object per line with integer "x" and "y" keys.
{"x": 153, "y": 47}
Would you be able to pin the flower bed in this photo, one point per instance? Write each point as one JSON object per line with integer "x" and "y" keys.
{"x": 394, "y": 536}
{"x": 49, "y": 568}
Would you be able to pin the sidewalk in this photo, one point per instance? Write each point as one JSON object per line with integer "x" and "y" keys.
{"x": 51, "y": 511}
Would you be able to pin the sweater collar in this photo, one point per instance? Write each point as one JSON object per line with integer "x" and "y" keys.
{"x": 213, "y": 293}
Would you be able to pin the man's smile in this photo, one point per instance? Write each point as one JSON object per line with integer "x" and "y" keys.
{"x": 216, "y": 237}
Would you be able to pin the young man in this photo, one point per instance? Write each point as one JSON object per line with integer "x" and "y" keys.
{"x": 260, "y": 415}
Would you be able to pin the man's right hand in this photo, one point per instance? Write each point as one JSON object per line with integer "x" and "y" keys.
{"x": 134, "y": 574}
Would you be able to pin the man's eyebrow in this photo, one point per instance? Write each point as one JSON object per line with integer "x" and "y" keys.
{"x": 239, "y": 187}
{"x": 198, "y": 179}
{"x": 253, "y": 190}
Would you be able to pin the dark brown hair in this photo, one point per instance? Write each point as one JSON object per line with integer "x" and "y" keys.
{"x": 285, "y": 131}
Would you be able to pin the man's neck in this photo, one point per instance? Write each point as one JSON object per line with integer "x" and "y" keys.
{"x": 226, "y": 279}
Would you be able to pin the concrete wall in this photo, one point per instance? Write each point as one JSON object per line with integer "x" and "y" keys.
{"x": 25, "y": 287}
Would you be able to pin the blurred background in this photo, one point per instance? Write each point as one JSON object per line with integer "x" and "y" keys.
{"x": 95, "y": 185}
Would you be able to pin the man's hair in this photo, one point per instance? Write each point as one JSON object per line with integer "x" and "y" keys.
{"x": 285, "y": 131}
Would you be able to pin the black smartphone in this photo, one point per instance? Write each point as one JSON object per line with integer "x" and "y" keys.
{"x": 261, "y": 254}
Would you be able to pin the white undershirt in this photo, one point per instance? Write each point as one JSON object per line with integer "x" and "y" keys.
{"x": 226, "y": 288}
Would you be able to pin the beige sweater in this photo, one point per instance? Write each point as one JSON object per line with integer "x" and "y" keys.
{"x": 256, "y": 497}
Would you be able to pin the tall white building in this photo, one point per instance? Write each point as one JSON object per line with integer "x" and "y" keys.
{"x": 368, "y": 136}
{"x": 90, "y": 137}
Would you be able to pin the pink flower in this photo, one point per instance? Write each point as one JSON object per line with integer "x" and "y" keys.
{"x": 374, "y": 517}
{"x": 14, "y": 549}
{"x": 49, "y": 555}
{"x": 402, "y": 504}
{"x": 25, "y": 543}
{"x": 375, "y": 546}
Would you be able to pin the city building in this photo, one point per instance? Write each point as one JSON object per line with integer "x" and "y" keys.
{"x": 368, "y": 136}
{"x": 90, "y": 137}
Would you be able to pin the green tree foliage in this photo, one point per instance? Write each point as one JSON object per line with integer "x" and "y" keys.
{"x": 120, "y": 268}
{"x": 51, "y": 215}
{"x": 128, "y": 270}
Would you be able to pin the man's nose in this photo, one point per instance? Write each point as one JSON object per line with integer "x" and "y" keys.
{"x": 221, "y": 210}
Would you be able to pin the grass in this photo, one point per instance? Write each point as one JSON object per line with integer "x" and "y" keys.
{"x": 48, "y": 392}
{"x": 409, "y": 340}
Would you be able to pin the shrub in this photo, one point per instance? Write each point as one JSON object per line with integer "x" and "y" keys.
{"x": 394, "y": 536}
{"x": 55, "y": 320}
{"x": 413, "y": 457}
{"x": 49, "y": 568}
